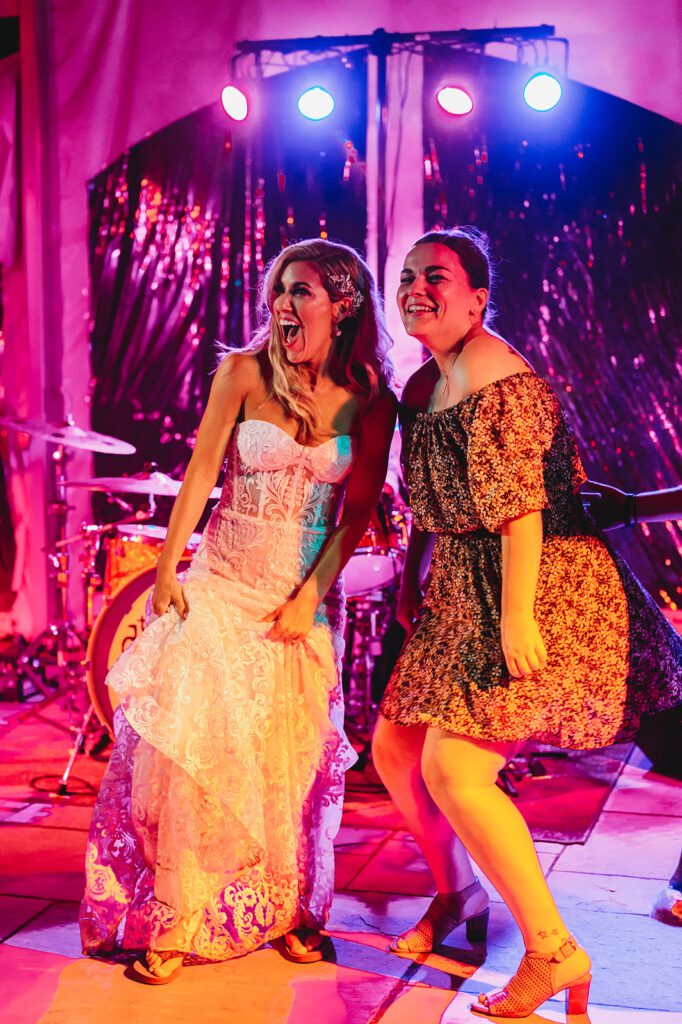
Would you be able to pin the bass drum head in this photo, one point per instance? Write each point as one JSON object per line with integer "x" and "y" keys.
{"x": 118, "y": 625}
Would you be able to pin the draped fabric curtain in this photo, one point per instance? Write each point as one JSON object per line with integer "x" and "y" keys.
{"x": 9, "y": 223}
{"x": 181, "y": 227}
{"x": 583, "y": 208}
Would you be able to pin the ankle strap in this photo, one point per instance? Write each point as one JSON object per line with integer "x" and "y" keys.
{"x": 568, "y": 948}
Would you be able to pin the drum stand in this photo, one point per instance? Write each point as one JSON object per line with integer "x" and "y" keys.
{"x": 368, "y": 617}
{"x": 59, "y": 646}
{"x": 92, "y": 534}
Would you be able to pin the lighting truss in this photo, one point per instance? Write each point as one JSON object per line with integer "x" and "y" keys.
{"x": 276, "y": 55}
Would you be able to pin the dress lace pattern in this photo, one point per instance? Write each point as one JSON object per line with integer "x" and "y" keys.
{"x": 224, "y": 790}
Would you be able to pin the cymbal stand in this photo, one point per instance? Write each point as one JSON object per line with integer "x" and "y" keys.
{"x": 92, "y": 534}
{"x": 60, "y": 645}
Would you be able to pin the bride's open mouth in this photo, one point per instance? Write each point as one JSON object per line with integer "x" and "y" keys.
{"x": 293, "y": 332}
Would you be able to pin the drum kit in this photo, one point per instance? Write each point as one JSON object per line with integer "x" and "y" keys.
{"x": 68, "y": 662}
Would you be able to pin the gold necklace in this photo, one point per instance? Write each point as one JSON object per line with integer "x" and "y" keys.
{"x": 445, "y": 390}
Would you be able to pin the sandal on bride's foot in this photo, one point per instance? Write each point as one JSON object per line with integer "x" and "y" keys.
{"x": 445, "y": 913}
{"x": 539, "y": 977}
{"x": 152, "y": 970}
{"x": 308, "y": 954}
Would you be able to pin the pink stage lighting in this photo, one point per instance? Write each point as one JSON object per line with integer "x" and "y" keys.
{"x": 454, "y": 100}
{"x": 235, "y": 103}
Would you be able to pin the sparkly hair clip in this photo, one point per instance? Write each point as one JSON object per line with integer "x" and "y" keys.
{"x": 343, "y": 284}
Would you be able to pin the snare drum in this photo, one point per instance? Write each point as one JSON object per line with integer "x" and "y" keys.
{"x": 371, "y": 569}
{"x": 133, "y": 548}
{"x": 119, "y": 623}
{"x": 378, "y": 559}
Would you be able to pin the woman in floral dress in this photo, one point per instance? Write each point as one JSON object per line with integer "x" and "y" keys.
{"x": 531, "y": 627}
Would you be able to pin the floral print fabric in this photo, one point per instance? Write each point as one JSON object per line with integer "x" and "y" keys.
{"x": 224, "y": 791}
{"x": 612, "y": 656}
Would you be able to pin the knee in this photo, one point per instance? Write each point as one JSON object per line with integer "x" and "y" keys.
{"x": 385, "y": 755}
{"x": 456, "y": 772}
{"x": 448, "y": 777}
{"x": 438, "y": 776}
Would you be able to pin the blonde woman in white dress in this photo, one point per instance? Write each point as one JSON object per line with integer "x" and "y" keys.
{"x": 213, "y": 829}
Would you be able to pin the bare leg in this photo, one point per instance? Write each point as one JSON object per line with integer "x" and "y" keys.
{"x": 461, "y": 774}
{"x": 397, "y": 756}
{"x": 397, "y": 752}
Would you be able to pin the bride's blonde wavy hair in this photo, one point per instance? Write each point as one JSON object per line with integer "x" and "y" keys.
{"x": 359, "y": 361}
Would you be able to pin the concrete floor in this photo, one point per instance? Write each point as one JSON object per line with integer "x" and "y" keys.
{"x": 606, "y": 886}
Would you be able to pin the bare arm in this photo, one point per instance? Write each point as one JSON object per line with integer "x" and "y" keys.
{"x": 612, "y": 507}
{"x": 523, "y": 647}
{"x": 295, "y": 617}
{"x": 233, "y": 380}
{"x": 417, "y": 561}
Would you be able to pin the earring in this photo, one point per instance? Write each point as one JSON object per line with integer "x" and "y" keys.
{"x": 337, "y": 331}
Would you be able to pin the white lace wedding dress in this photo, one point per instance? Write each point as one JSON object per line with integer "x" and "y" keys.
{"x": 225, "y": 786}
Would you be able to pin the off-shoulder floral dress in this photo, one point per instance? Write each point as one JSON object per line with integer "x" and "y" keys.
{"x": 504, "y": 451}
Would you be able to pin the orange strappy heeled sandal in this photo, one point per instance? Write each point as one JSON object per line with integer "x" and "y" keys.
{"x": 539, "y": 977}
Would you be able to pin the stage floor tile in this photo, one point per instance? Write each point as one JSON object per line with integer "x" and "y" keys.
{"x": 458, "y": 1013}
{"x": 54, "y": 931}
{"x": 43, "y": 862}
{"x": 397, "y": 867}
{"x": 15, "y": 911}
{"x": 346, "y": 867}
{"x": 259, "y": 989}
{"x": 28, "y": 983}
{"x": 644, "y": 792}
{"x": 613, "y": 894}
{"x": 627, "y": 844}
{"x": 360, "y": 840}
{"x": 52, "y": 815}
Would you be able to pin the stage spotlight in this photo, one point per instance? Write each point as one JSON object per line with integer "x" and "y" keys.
{"x": 316, "y": 103}
{"x": 542, "y": 91}
{"x": 454, "y": 100}
{"x": 235, "y": 103}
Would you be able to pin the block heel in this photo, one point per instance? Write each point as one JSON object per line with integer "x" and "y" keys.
{"x": 477, "y": 927}
{"x": 577, "y": 996}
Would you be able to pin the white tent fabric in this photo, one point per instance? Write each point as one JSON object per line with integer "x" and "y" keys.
{"x": 98, "y": 77}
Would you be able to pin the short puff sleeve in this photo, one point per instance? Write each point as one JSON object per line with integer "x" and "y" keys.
{"x": 512, "y": 435}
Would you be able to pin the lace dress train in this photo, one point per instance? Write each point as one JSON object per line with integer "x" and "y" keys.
{"x": 224, "y": 790}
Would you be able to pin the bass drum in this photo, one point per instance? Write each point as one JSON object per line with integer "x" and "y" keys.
{"x": 119, "y": 623}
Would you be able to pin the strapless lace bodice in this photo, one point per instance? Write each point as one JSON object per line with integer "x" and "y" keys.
{"x": 280, "y": 501}
{"x": 271, "y": 476}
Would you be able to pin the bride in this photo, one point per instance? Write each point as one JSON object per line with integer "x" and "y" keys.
{"x": 213, "y": 828}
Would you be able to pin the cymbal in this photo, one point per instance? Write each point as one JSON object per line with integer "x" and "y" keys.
{"x": 158, "y": 484}
{"x": 69, "y": 435}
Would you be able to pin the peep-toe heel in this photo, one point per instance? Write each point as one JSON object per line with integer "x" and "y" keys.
{"x": 539, "y": 977}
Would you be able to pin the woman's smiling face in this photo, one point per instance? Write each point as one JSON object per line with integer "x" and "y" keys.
{"x": 305, "y": 313}
{"x": 436, "y": 301}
